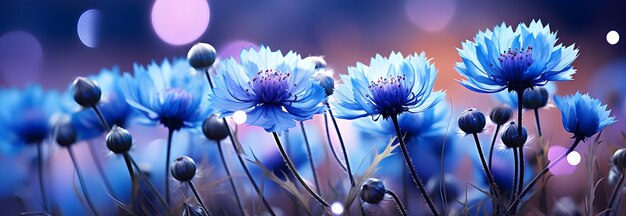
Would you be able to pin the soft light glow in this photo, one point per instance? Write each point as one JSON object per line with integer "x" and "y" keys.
{"x": 573, "y": 158}
{"x": 612, "y": 37}
{"x": 336, "y": 208}
{"x": 562, "y": 168}
{"x": 240, "y": 117}
{"x": 180, "y": 22}
{"x": 87, "y": 27}
{"x": 430, "y": 16}
{"x": 233, "y": 49}
{"x": 20, "y": 58}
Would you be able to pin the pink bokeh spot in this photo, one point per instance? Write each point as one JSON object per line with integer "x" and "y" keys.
{"x": 430, "y": 16}
{"x": 180, "y": 22}
{"x": 20, "y": 58}
{"x": 233, "y": 49}
{"x": 563, "y": 167}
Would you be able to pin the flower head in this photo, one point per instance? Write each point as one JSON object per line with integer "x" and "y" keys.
{"x": 582, "y": 115}
{"x": 619, "y": 159}
{"x": 183, "y": 168}
{"x": 535, "y": 98}
{"x": 25, "y": 116}
{"x": 472, "y": 121}
{"x": 373, "y": 191}
{"x": 119, "y": 140}
{"x": 510, "y": 98}
{"x": 86, "y": 92}
{"x": 65, "y": 133}
{"x": 201, "y": 56}
{"x": 274, "y": 90}
{"x": 325, "y": 80}
{"x": 501, "y": 114}
{"x": 511, "y": 137}
{"x": 170, "y": 94}
{"x": 214, "y": 128}
{"x": 514, "y": 60}
{"x": 113, "y": 106}
{"x": 387, "y": 87}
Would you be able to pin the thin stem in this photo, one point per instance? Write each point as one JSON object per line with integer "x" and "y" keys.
{"x": 167, "y": 164}
{"x": 405, "y": 184}
{"x": 81, "y": 180}
{"x": 492, "y": 182}
{"x": 296, "y": 174}
{"x": 143, "y": 176}
{"x": 208, "y": 77}
{"x": 521, "y": 169}
{"x": 42, "y": 186}
{"x": 245, "y": 169}
{"x": 538, "y": 122}
{"x": 343, "y": 146}
{"x": 195, "y": 192}
{"x": 541, "y": 174}
{"x": 102, "y": 121}
{"x": 618, "y": 188}
{"x": 330, "y": 144}
{"x": 395, "y": 199}
{"x": 100, "y": 169}
{"x": 308, "y": 151}
{"x": 493, "y": 144}
{"x": 515, "y": 175}
{"x": 129, "y": 166}
{"x": 230, "y": 178}
{"x": 407, "y": 159}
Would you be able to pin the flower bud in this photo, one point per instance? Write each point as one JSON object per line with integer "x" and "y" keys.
{"x": 326, "y": 81}
{"x": 214, "y": 128}
{"x": 183, "y": 168}
{"x": 201, "y": 56}
{"x": 65, "y": 133}
{"x": 619, "y": 159}
{"x": 501, "y": 114}
{"x": 86, "y": 92}
{"x": 373, "y": 191}
{"x": 318, "y": 61}
{"x": 510, "y": 136}
{"x": 118, "y": 140}
{"x": 189, "y": 210}
{"x": 472, "y": 121}
{"x": 535, "y": 98}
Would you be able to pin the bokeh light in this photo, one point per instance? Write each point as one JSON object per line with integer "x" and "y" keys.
{"x": 428, "y": 15}
{"x": 233, "y": 49}
{"x": 240, "y": 117}
{"x": 573, "y": 158}
{"x": 180, "y": 22}
{"x": 612, "y": 37}
{"x": 336, "y": 208}
{"x": 20, "y": 58}
{"x": 87, "y": 27}
{"x": 560, "y": 168}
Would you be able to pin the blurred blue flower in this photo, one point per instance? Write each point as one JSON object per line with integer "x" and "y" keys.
{"x": 387, "y": 87}
{"x": 582, "y": 115}
{"x": 112, "y": 105}
{"x": 510, "y": 97}
{"x": 25, "y": 116}
{"x": 170, "y": 94}
{"x": 425, "y": 133}
{"x": 274, "y": 90}
{"x": 514, "y": 60}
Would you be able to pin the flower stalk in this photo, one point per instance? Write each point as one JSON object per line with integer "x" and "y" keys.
{"x": 310, "y": 156}
{"x": 397, "y": 201}
{"x": 343, "y": 146}
{"x": 81, "y": 180}
{"x": 230, "y": 178}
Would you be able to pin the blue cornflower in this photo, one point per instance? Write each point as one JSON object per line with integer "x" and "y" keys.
{"x": 274, "y": 90}
{"x": 387, "y": 87}
{"x": 514, "y": 60}
{"x": 170, "y": 94}
{"x": 113, "y": 106}
{"x": 25, "y": 116}
{"x": 582, "y": 115}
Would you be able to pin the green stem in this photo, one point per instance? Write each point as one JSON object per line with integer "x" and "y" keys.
{"x": 310, "y": 156}
{"x": 541, "y": 174}
{"x": 167, "y": 164}
{"x": 42, "y": 186}
{"x": 521, "y": 169}
{"x": 101, "y": 117}
{"x": 538, "y": 122}
{"x": 81, "y": 180}
{"x": 407, "y": 159}
{"x": 230, "y": 178}
{"x": 397, "y": 200}
{"x": 515, "y": 175}
{"x": 198, "y": 198}
{"x": 490, "y": 179}
{"x": 129, "y": 166}
{"x": 296, "y": 174}
{"x": 245, "y": 169}
{"x": 208, "y": 77}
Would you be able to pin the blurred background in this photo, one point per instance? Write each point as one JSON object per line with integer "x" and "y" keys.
{"x": 51, "y": 42}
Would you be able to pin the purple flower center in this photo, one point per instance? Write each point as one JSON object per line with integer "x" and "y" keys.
{"x": 176, "y": 107}
{"x": 513, "y": 66}
{"x": 271, "y": 86}
{"x": 389, "y": 95}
